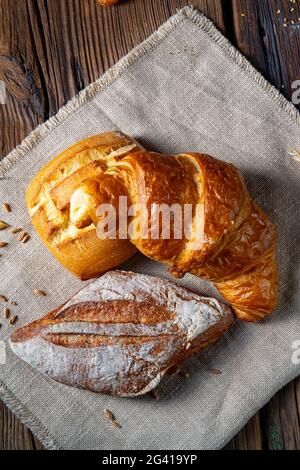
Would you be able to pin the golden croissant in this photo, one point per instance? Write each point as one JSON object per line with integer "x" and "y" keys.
{"x": 231, "y": 242}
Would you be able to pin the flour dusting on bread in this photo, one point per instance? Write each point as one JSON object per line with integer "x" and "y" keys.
{"x": 120, "y": 334}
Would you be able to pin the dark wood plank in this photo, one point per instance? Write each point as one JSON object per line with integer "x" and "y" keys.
{"x": 267, "y": 32}
{"x": 249, "y": 438}
{"x": 13, "y": 435}
{"x": 281, "y": 419}
{"x": 51, "y": 49}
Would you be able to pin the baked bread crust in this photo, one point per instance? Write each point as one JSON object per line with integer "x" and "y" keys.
{"x": 232, "y": 241}
{"x": 48, "y": 202}
{"x": 121, "y": 334}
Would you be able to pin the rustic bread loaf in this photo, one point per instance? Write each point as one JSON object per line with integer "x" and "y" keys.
{"x": 120, "y": 334}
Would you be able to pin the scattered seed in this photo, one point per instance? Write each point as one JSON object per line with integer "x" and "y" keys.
{"x": 13, "y": 319}
{"x": 6, "y": 313}
{"x": 243, "y": 14}
{"x": 3, "y": 244}
{"x": 293, "y": 22}
{"x": 39, "y": 293}
{"x": 12, "y": 302}
{"x": 215, "y": 371}
{"x": 24, "y": 237}
{"x": 285, "y": 25}
{"x": 3, "y": 225}
{"x": 16, "y": 230}
{"x": 21, "y": 236}
{"x": 295, "y": 154}
{"x": 3, "y": 298}
{"x": 109, "y": 415}
{"x": 278, "y": 12}
{"x": 292, "y": 9}
{"x": 116, "y": 424}
{"x": 6, "y": 207}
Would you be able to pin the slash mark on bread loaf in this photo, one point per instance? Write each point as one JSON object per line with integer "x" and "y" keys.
{"x": 120, "y": 334}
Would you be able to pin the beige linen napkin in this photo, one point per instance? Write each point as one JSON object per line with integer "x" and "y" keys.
{"x": 185, "y": 88}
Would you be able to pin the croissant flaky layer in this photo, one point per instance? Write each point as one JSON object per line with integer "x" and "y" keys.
{"x": 230, "y": 240}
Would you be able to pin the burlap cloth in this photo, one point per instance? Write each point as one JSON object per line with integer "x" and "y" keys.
{"x": 185, "y": 88}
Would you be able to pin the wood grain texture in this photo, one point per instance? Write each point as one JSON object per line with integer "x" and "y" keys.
{"x": 249, "y": 438}
{"x": 51, "y": 49}
{"x": 281, "y": 419}
{"x": 13, "y": 435}
{"x": 269, "y": 36}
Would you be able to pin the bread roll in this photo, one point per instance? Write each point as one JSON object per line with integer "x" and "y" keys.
{"x": 120, "y": 334}
{"x": 48, "y": 201}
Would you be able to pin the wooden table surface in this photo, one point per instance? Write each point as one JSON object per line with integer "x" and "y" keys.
{"x": 51, "y": 49}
